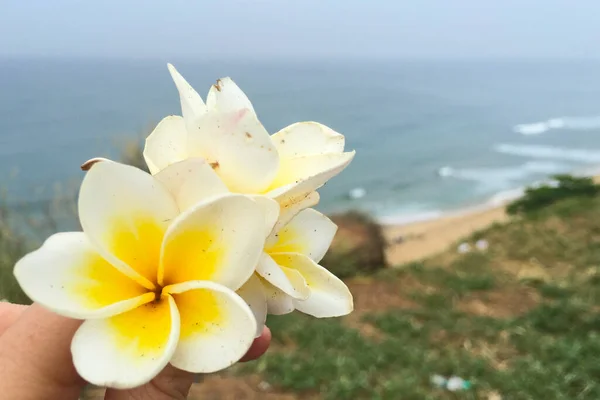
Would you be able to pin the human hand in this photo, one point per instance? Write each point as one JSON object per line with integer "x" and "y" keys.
{"x": 35, "y": 360}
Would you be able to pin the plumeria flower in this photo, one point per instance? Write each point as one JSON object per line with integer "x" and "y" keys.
{"x": 288, "y": 166}
{"x": 288, "y": 275}
{"x": 154, "y": 285}
{"x": 193, "y": 181}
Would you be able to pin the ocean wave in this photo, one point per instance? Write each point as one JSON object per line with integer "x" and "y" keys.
{"x": 357, "y": 193}
{"x": 409, "y": 213}
{"x": 550, "y": 152}
{"x": 572, "y": 123}
{"x": 506, "y": 196}
{"x": 503, "y": 177}
{"x": 503, "y": 185}
{"x": 405, "y": 218}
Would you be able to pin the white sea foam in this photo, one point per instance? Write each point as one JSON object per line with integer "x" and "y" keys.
{"x": 504, "y": 197}
{"x": 550, "y": 152}
{"x": 531, "y": 129}
{"x": 357, "y": 193}
{"x": 410, "y": 218}
{"x": 410, "y": 213}
{"x": 499, "y": 199}
{"x": 568, "y": 123}
{"x": 491, "y": 179}
{"x": 502, "y": 182}
{"x": 446, "y": 171}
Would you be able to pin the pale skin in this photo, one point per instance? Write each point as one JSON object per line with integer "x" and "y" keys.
{"x": 35, "y": 360}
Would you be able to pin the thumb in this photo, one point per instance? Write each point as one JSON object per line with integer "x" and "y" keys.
{"x": 35, "y": 357}
{"x": 9, "y": 314}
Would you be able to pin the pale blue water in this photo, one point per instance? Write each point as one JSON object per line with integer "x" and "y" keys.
{"x": 406, "y": 119}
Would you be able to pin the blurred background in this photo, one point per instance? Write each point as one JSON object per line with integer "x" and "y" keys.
{"x": 454, "y": 108}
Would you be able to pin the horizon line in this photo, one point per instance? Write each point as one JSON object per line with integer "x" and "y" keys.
{"x": 309, "y": 59}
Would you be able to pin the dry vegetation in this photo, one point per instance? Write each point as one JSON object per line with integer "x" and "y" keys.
{"x": 358, "y": 247}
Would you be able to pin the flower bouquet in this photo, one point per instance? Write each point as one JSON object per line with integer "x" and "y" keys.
{"x": 182, "y": 265}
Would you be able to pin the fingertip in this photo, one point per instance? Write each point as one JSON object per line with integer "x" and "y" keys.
{"x": 266, "y": 334}
{"x": 259, "y": 346}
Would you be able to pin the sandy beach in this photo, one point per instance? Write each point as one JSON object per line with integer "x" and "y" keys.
{"x": 419, "y": 240}
{"x": 415, "y": 241}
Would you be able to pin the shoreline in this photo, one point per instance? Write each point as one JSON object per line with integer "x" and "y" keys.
{"x": 413, "y": 241}
{"x": 418, "y": 240}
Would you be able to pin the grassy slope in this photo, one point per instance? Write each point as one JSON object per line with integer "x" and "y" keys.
{"x": 521, "y": 320}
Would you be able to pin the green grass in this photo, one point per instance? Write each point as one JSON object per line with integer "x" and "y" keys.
{"x": 12, "y": 247}
{"x": 566, "y": 187}
{"x": 469, "y": 315}
{"x": 548, "y": 350}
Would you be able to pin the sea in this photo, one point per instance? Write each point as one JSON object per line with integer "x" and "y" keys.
{"x": 432, "y": 136}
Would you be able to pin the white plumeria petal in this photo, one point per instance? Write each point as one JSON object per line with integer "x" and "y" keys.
{"x": 287, "y": 280}
{"x": 192, "y": 105}
{"x": 167, "y": 144}
{"x": 278, "y": 303}
{"x": 68, "y": 276}
{"x": 254, "y": 295}
{"x": 270, "y": 211}
{"x": 290, "y": 207}
{"x": 129, "y": 349}
{"x": 226, "y": 96}
{"x": 217, "y": 326}
{"x": 329, "y": 296}
{"x": 218, "y": 240}
{"x": 300, "y": 189}
{"x": 191, "y": 181}
{"x": 309, "y": 233}
{"x": 316, "y": 168}
{"x": 306, "y": 139}
{"x": 125, "y": 212}
{"x": 238, "y": 147}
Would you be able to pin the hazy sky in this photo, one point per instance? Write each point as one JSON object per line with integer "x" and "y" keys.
{"x": 302, "y": 28}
